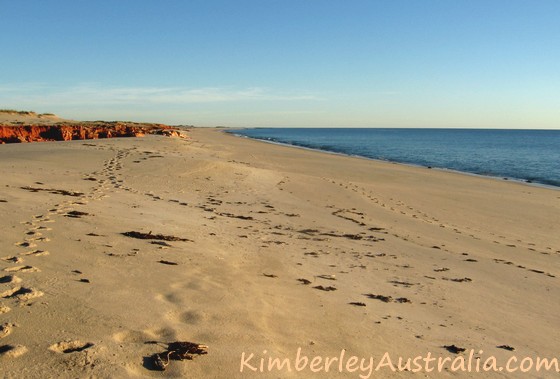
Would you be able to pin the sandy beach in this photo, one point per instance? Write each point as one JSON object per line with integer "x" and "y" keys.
{"x": 252, "y": 248}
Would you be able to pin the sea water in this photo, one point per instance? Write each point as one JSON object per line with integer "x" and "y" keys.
{"x": 527, "y": 155}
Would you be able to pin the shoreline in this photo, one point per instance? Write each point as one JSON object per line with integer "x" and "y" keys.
{"x": 263, "y": 247}
{"x": 510, "y": 179}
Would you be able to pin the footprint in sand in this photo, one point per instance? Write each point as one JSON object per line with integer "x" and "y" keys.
{"x": 26, "y": 244}
{"x": 70, "y": 346}
{"x": 22, "y": 269}
{"x": 43, "y": 228}
{"x": 10, "y": 279}
{"x": 36, "y": 253}
{"x": 13, "y": 259}
{"x": 39, "y": 239}
{"x": 192, "y": 317}
{"x": 21, "y": 293}
{"x": 12, "y": 351}
{"x": 6, "y": 329}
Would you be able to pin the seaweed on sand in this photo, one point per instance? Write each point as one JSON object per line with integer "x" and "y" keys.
{"x": 150, "y": 236}
{"x": 176, "y": 351}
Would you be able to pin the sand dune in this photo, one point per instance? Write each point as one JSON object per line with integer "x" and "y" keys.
{"x": 8, "y": 117}
{"x": 112, "y": 249}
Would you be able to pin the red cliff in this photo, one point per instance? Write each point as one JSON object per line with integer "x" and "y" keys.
{"x": 79, "y": 131}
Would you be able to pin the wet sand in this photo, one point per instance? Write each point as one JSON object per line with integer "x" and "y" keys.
{"x": 108, "y": 246}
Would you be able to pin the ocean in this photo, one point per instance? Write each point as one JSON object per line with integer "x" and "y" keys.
{"x": 532, "y": 156}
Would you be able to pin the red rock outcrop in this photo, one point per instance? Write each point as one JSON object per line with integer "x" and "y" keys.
{"x": 80, "y": 131}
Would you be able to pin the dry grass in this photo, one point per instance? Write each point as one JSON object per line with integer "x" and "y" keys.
{"x": 13, "y": 111}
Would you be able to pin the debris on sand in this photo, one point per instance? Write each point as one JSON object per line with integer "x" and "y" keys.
{"x": 53, "y": 191}
{"x": 388, "y": 299}
{"x": 161, "y": 243}
{"x": 327, "y": 277}
{"x": 329, "y": 288}
{"x": 357, "y": 303}
{"x": 150, "y": 236}
{"x": 231, "y": 215}
{"x": 385, "y": 299}
{"x": 506, "y": 347}
{"x": 402, "y": 300}
{"x": 177, "y": 351}
{"x": 454, "y": 349}
{"x": 76, "y": 214}
{"x": 168, "y": 263}
{"x": 458, "y": 280}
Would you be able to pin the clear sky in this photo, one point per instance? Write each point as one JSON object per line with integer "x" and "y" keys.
{"x": 390, "y": 63}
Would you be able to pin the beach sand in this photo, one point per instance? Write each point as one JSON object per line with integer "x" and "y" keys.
{"x": 429, "y": 259}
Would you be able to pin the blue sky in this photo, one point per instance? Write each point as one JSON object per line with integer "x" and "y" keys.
{"x": 360, "y": 63}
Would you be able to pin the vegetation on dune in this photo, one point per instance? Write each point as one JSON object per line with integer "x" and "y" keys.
{"x": 25, "y": 113}
{"x": 13, "y": 111}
